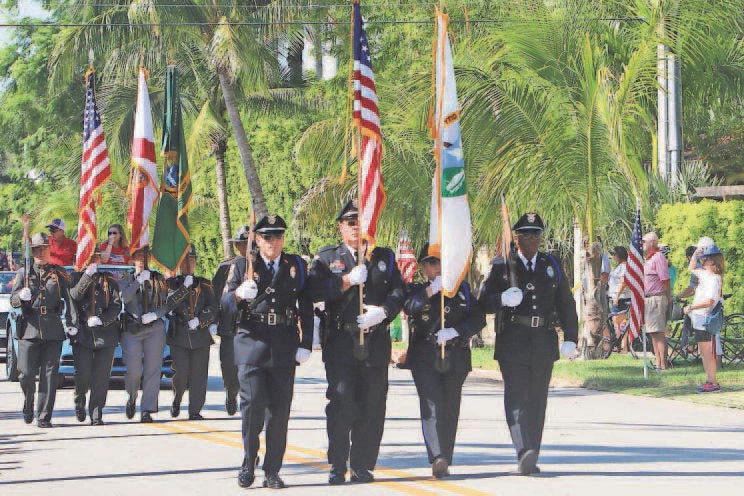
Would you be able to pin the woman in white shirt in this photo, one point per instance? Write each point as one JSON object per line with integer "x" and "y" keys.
{"x": 707, "y": 295}
{"x": 619, "y": 293}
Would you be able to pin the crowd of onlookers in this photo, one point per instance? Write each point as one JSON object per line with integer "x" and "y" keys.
{"x": 707, "y": 266}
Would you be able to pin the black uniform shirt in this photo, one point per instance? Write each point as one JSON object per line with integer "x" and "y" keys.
{"x": 49, "y": 285}
{"x": 97, "y": 296}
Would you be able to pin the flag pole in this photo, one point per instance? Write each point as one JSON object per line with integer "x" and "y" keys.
{"x": 643, "y": 327}
{"x": 437, "y": 153}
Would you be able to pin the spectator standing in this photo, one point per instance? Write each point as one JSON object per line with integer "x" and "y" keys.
{"x": 619, "y": 293}
{"x": 62, "y": 249}
{"x": 666, "y": 251}
{"x": 657, "y": 290}
{"x": 115, "y": 250}
{"x": 707, "y": 296}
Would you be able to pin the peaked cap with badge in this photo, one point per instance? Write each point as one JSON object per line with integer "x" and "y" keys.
{"x": 349, "y": 211}
{"x": 529, "y": 222}
{"x": 270, "y": 224}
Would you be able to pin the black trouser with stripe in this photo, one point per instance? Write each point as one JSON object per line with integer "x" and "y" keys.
{"x": 39, "y": 357}
{"x": 265, "y": 396}
{"x": 92, "y": 373}
{"x": 227, "y": 364}
{"x": 355, "y": 414}
{"x": 190, "y": 370}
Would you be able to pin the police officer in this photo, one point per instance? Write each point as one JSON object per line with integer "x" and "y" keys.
{"x": 439, "y": 382}
{"x": 357, "y": 375}
{"x": 539, "y": 301}
{"x": 232, "y": 268}
{"x": 189, "y": 337}
{"x": 275, "y": 332}
{"x": 146, "y": 301}
{"x": 98, "y": 305}
{"x": 43, "y": 296}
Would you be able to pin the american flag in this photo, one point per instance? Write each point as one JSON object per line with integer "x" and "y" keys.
{"x": 634, "y": 277}
{"x": 96, "y": 170}
{"x": 367, "y": 121}
{"x": 406, "y": 259}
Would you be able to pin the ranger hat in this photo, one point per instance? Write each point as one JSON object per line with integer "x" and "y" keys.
{"x": 427, "y": 254}
{"x": 529, "y": 222}
{"x": 350, "y": 211}
{"x": 271, "y": 224}
{"x": 241, "y": 235}
{"x": 39, "y": 239}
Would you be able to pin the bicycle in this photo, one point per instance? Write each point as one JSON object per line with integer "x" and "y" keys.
{"x": 610, "y": 341}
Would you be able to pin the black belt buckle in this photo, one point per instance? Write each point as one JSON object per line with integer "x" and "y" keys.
{"x": 535, "y": 322}
{"x": 42, "y": 310}
{"x": 271, "y": 319}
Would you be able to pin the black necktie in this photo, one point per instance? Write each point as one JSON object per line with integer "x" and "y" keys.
{"x": 354, "y": 254}
{"x": 529, "y": 266}
{"x": 271, "y": 268}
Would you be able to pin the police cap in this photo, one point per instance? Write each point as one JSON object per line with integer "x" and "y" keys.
{"x": 270, "y": 224}
{"x": 350, "y": 211}
{"x": 529, "y": 222}
{"x": 428, "y": 254}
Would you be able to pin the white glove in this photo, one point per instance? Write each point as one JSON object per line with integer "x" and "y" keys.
{"x": 247, "y": 291}
{"x": 149, "y": 318}
{"x": 25, "y": 294}
{"x": 213, "y": 329}
{"x": 194, "y": 323}
{"x": 436, "y": 285}
{"x": 444, "y": 335}
{"x": 302, "y": 355}
{"x": 188, "y": 281}
{"x": 71, "y": 331}
{"x": 512, "y": 297}
{"x": 91, "y": 269}
{"x": 358, "y": 275}
{"x": 94, "y": 321}
{"x": 568, "y": 350}
{"x": 143, "y": 276}
{"x": 373, "y": 316}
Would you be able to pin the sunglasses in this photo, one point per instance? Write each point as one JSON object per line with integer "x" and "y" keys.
{"x": 351, "y": 222}
{"x": 532, "y": 235}
{"x": 54, "y": 229}
{"x": 269, "y": 237}
{"x": 112, "y": 233}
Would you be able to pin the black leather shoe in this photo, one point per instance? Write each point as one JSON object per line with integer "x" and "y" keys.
{"x": 80, "y": 412}
{"x": 273, "y": 481}
{"x": 146, "y": 418}
{"x": 440, "y": 468}
{"x": 28, "y": 411}
{"x": 44, "y": 424}
{"x": 528, "y": 463}
{"x": 131, "y": 406}
{"x": 231, "y": 406}
{"x": 337, "y": 476}
{"x": 195, "y": 416}
{"x": 246, "y": 477}
{"x": 175, "y": 410}
{"x": 362, "y": 476}
{"x": 96, "y": 422}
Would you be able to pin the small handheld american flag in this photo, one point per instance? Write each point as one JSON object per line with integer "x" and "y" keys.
{"x": 96, "y": 170}
{"x": 634, "y": 277}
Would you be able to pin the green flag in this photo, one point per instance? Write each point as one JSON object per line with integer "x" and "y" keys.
{"x": 171, "y": 239}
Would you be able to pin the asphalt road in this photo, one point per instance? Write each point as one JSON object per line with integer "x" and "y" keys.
{"x": 594, "y": 443}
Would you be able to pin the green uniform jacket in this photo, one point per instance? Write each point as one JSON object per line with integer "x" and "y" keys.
{"x": 97, "y": 296}
{"x": 42, "y": 316}
{"x": 196, "y": 301}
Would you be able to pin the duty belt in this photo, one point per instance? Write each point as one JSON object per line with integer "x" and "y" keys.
{"x": 529, "y": 320}
{"x": 272, "y": 318}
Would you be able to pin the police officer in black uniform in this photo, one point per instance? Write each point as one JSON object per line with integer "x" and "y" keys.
{"x": 439, "y": 382}
{"x": 275, "y": 332}
{"x": 536, "y": 301}
{"x": 43, "y": 297}
{"x": 98, "y": 305}
{"x": 357, "y": 376}
{"x": 189, "y": 338}
{"x": 233, "y": 268}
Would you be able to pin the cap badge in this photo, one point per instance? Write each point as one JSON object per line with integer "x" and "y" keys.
{"x": 531, "y": 218}
{"x": 272, "y": 219}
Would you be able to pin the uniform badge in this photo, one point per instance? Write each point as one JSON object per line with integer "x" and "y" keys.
{"x": 337, "y": 266}
{"x": 447, "y": 309}
{"x": 272, "y": 219}
{"x": 382, "y": 266}
{"x": 550, "y": 272}
{"x": 256, "y": 277}
{"x": 425, "y": 318}
{"x": 531, "y": 218}
{"x": 530, "y": 286}
{"x": 293, "y": 272}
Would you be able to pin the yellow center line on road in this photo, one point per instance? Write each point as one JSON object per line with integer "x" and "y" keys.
{"x": 210, "y": 435}
{"x": 386, "y": 471}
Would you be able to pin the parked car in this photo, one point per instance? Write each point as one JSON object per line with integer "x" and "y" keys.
{"x": 6, "y": 285}
{"x": 67, "y": 362}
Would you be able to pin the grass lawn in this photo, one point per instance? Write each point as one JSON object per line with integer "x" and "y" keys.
{"x": 624, "y": 374}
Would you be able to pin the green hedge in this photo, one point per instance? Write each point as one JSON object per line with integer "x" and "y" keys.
{"x": 682, "y": 224}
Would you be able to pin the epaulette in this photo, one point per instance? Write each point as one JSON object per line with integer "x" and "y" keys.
{"x": 328, "y": 248}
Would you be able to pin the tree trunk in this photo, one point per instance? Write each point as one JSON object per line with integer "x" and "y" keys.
{"x": 593, "y": 295}
{"x": 246, "y": 155}
{"x": 294, "y": 60}
{"x": 220, "y": 147}
{"x": 318, "y": 49}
